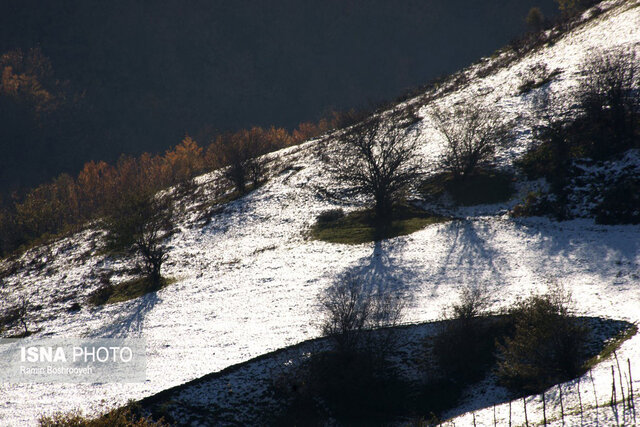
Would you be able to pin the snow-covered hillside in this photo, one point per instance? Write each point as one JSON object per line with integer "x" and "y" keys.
{"x": 247, "y": 276}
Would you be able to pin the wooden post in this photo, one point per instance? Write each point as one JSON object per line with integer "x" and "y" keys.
{"x": 613, "y": 386}
{"x": 495, "y": 420}
{"x": 595, "y": 395}
{"x": 509, "y": 413}
{"x": 632, "y": 403}
{"x": 614, "y": 399}
{"x": 544, "y": 409}
{"x": 526, "y": 419}
{"x": 580, "y": 401}
{"x": 624, "y": 403}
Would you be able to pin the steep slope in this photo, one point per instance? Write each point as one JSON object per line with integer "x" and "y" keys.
{"x": 248, "y": 276}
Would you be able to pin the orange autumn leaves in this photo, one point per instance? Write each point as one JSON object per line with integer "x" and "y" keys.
{"x": 66, "y": 201}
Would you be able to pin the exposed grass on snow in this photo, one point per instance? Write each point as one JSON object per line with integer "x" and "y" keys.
{"x": 611, "y": 347}
{"x": 22, "y": 334}
{"x": 362, "y": 227}
{"x": 127, "y": 290}
{"x": 485, "y": 186}
{"x": 125, "y": 416}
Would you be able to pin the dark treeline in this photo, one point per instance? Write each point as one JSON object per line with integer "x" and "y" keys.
{"x": 135, "y": 76}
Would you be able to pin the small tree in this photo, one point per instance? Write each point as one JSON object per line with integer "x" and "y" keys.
{"x": 351, "y": 307}
{"x": 535, "y": 19}
{"x": 471, "y": 135}
{"x": 377, "y": 160}
{"x": 465, "y": 346}
{"x": 140, "y": 224}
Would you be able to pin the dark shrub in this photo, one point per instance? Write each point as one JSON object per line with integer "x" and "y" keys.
{"x": 242, "y": 153}
{"x": 608, "y": 103}
{"x": 353, "y": 388}
{"x": 605, "y": 124}
{"x": 483, "y": 186}
{"x": 573, "y": 7}
{"x": 536, "y": 163}
{"x": 9, "y": 316}
{"x": 621, "y": 203}
{"x": 74, "y": 307}
{"x": 537, "y": 204}
{"x": 535, "y": 19}
{"x": 356, "y": 388}
{"x": 536, "y": 76}
{"x": 546, "y": 346}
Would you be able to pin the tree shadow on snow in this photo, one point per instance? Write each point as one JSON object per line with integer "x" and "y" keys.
{"x": 469, "y": 257}
{"x": 384, "y": 270}
{"x": 598, "y": 249}
{"x": 130, "y": 322}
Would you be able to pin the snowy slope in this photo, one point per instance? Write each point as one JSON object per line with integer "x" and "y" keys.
{"x": 247, "y": 280}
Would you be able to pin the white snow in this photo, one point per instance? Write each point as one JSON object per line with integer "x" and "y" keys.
{"x": 247, "y": 280}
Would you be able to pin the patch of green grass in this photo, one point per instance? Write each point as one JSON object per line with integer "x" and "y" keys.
{"x": 484, "y": 186}
{"x": 125, "y": 291}
{"x": 362, "y": 226}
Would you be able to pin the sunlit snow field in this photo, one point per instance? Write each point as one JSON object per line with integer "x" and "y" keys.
{"x": 247, "y": 281}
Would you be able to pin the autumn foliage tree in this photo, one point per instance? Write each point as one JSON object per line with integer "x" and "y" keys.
{"x": 184, "y": 161}
{"x": 102, "y": 188}
{"x": 42, "y": 119}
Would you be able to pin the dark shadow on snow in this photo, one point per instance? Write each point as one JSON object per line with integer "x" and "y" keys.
{"x": 130, "y": 322}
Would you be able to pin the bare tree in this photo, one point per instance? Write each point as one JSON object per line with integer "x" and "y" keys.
{"x": 140, "y": 225}
{"x": 471, "y": 134}
{"x": 150, "y": 241}
{"x": 473, "y": 302}
{"x": 376, "y": 159}
{"x": 351, "y": 307}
